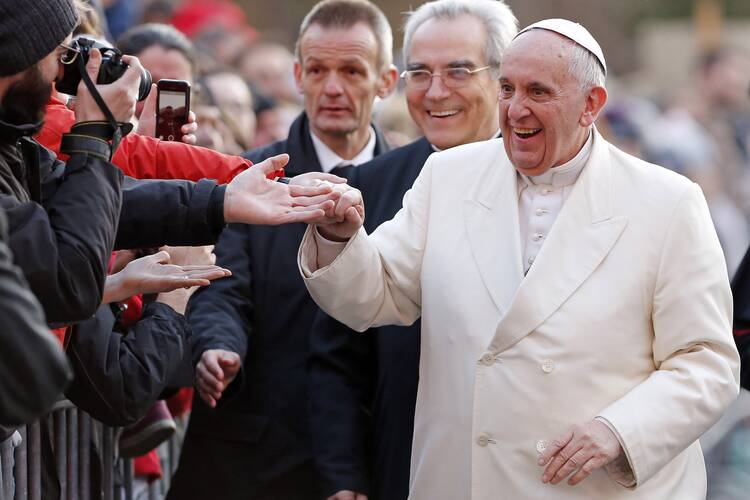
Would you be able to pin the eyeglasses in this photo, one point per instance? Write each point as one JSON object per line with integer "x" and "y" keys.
{"x": 69, "y": 54}
{"x": 453, "y": 78}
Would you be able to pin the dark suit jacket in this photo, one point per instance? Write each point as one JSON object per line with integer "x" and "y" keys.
{"x": 363, "y": 387}
{"x": 256, "y": 445}
{"x": 741, "y": 326}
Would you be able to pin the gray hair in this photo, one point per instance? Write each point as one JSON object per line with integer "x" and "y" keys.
{"x": 586, "y": 67}
{"x": 499, "y": 23}
{"x": 345, "y": 14}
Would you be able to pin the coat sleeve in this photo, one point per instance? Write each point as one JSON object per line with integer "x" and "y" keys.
{"x": 696, "y": 363}
{"x": 118, "y": 377}
{"x": 221, "y": 314}
{"x": 375, "y": 280}
{"x": 170, "y": 212}
{"x": 63, "y": 247}
{"x": 146, "y": 157}
{"x": 33, "y": 370}
{"x": 340, "y": 372}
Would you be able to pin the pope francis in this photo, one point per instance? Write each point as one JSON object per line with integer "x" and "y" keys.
{"x": 575, "y": 305}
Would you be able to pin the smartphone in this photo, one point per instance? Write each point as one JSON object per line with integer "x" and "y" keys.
{"x": 172, "y": 108}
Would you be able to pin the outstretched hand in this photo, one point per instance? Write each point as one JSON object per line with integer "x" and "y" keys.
{"x": 251, "y": 198}
{"x": 155, "y": 274}
{"x": 347, "y": 216}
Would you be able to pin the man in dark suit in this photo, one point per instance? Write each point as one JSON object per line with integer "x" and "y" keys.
{"x": 363, "y": 387}
{"x": 253, "y": 441}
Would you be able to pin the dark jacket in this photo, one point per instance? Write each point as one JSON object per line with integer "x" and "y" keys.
{"x": 33, "y": 369}
{"x": 63, "y": 219}
{"x": 363, "y": 386}
{"x": 118, "y": 376}
{"x": 256, "y": 445}
{"x": 741, "y": 326}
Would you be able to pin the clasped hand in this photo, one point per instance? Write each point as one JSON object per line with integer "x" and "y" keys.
{"x": 580, "y": 451}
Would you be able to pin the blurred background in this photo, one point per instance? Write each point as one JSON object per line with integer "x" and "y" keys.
{"x": 679, "y": 86}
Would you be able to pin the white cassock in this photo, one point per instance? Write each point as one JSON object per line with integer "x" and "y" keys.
{"x": 624, "y": 315}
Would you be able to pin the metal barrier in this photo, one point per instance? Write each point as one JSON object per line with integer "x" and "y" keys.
{"x": 78, "y": 444}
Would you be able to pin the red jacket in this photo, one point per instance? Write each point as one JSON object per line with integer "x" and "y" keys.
{"x": 146, "y": 157}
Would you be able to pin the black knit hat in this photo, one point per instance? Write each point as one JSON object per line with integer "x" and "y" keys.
{"x": 31, "y": 29}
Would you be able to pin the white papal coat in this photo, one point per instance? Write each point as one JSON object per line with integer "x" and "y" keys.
{"x": 625, "y": 314}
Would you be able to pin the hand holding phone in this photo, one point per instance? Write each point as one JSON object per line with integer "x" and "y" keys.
{"x": 172, "y": 108}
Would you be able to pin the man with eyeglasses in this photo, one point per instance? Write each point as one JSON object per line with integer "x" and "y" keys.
{"x": 364, "y": 387}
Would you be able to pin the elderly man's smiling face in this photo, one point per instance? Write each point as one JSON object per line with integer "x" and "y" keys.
{"x": 544, "y": 113}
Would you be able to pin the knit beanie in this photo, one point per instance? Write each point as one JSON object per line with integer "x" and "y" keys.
{"x": 31, "y": 29}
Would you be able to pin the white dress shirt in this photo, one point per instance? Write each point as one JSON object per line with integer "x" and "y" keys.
{"x": 329, "y": 159}
{"x": 540, "y": 200}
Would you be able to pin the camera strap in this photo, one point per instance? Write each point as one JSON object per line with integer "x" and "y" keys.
{"x": 119, "y": 130}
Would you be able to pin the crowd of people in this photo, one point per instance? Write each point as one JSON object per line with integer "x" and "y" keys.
{"x": 545, "y": 314}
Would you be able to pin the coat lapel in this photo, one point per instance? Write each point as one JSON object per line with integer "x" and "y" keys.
{"x": 491, "y": 220}
{"x": 582, "y": 236}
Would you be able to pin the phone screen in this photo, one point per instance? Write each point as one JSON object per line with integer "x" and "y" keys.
{"x": 172, "y": 115}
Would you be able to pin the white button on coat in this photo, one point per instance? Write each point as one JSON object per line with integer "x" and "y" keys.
{"x": 483, "y": 439}
{"x": 541, "y": 445}
{"x": 548, "y": 366}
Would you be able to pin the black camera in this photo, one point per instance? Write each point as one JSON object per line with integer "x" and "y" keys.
{"x": 110, "y": 70}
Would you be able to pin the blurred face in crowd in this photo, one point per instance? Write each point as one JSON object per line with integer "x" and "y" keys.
{"x": 452, "y": 116}
{"x": 268, "y": 69}
{"x": 338, "y": 76}
{"x": 544, "y": 114}
{"x": 232, "y": 95}
{"x": 26, "y": 97}
{"x": 166, "y": 63}
{"x": 727, "y": 81}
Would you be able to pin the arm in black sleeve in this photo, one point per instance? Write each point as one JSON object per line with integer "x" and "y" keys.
{"x": 340, "y": 389}
{"x": 170, "y": 212}
{"x": 118, "y": 377}
{"x": 33, "y": 370}
{"x": 741, "y": 323}
{"x": 221, "y": 314}
{"x": 63, "y": 248}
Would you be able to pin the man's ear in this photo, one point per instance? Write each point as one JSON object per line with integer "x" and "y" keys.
{"x": 298, "y": 76}
{"x": 595, "y": 101}
{"x": 387, "y": 83}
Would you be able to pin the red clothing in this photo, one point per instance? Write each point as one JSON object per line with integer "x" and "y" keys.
{"x": 146, "y": 157}
{"x": 148, "y": 466}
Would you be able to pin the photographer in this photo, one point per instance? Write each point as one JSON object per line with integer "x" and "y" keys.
{"x": 64, "y": 218}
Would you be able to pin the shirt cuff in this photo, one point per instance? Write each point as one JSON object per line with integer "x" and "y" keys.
{"x": 327, "y": 250}
{"x": 619, "y": 469}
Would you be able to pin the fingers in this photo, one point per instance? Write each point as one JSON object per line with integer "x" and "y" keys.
{"x": 314, "y": 179}
{"x": 348, "y": 199}
{"x": 149, "y": 105}
{"x": 273, "y": 163}
{"x": 306, "y": 201}
{"x": 134, "y": 71}
{"x": 564, "y": 466}
{"x": 554, "y": 447}
{"x": 162, "y": 257}
{"x": 92, "y": 66}
{"x": 585, "y": 471}
{"x": 298, "y": 191}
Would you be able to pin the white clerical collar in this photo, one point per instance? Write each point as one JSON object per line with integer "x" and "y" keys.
{"x": 329, "y": 159}
{"x": 497, "y": 134}
{"x": 567, "y": 173}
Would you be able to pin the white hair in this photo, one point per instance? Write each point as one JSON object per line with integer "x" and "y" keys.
{"x": 586, "y": 67}
{"x": 499, "y": 23}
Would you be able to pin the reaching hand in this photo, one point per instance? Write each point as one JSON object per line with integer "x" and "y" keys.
{"x": 347, "y": 495}
{"x": 346, "y": 218}
{"x": 154, "y": 274}
{"x": 120, "y": 95}
{"x": 147, "y": 120}
{"x": 583, "y": 449}
{"x": 214, "y": 372}
{"x": 253, "y": 199}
